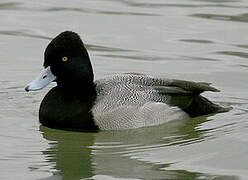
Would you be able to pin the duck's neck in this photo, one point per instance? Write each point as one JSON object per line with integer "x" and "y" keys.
{"x": 82, "y": 89}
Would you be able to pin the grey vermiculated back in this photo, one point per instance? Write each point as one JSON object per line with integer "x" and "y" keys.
{"x": 131, "y": 101}
{"x": 119, "y": 90}
{"x": 134, "y": 100}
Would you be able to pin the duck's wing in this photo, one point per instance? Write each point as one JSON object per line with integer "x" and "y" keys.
{"x": 168, "y": 86}
{"x": 174, "y": 86}
{"x": 184, "y": 94}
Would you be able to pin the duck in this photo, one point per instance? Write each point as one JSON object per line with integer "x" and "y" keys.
{"x": 116, "y": 102}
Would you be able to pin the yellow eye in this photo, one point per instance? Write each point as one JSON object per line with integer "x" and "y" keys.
{"x": 64, "y": 58}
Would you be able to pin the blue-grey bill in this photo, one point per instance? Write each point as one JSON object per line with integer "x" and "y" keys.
{"x": 46, "y": 76}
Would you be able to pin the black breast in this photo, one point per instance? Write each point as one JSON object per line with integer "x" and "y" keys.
{"x": 63, "y": 110}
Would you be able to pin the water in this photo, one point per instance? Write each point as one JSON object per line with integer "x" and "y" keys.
{"x": 204, "y": 40}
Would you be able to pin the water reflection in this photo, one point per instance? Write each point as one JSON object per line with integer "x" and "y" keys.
{"x": 242, "y": 46}
{"x": 69, "y": 152}
{"x": 100, "y": 48}
{"x": 156, "y": 5}
{"x": 218, "y": 1}
{"x": 195, "y": 58}
{"x": 234, "y": 53}
{"x": 9, "y": 5}
{"x": 76, "y": 155}
{"x": 237, "y": 18}
{"x": 24, "y": 33}
{"x": 201, "y": 41}
{"x": 135, "y": 57}
{"x": 98, "y": 11}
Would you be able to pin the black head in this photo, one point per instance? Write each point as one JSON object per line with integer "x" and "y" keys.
{"x": 69, "y": 60}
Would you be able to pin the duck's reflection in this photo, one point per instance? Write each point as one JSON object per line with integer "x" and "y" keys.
{"x": 80, "y": 155}
{"x": 70, "y": 151}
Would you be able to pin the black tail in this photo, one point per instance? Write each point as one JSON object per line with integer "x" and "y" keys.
{"x": 202, "y": 106}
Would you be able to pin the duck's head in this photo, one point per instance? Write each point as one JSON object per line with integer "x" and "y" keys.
{"x": 66, "y": 61}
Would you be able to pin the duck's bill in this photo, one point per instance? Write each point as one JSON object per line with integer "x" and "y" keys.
{"x": 46, "y": 76}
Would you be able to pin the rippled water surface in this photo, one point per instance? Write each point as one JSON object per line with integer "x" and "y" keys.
{"x": 200, "y": 40}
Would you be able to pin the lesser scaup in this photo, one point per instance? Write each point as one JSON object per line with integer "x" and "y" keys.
{"x": 120, "y": 101}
